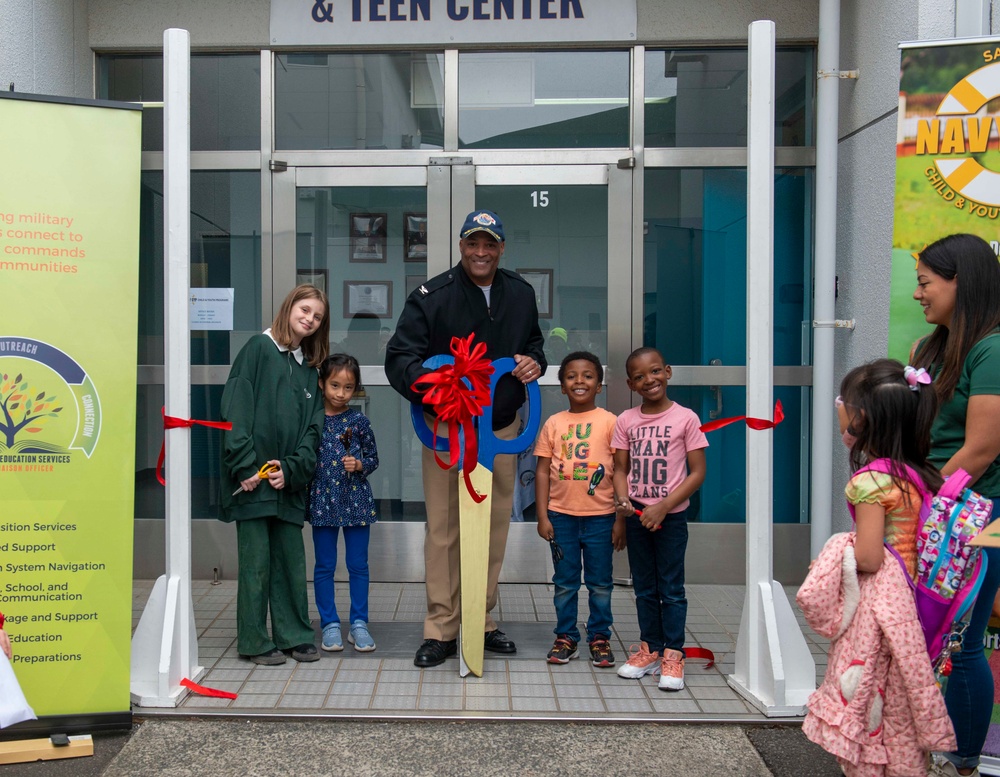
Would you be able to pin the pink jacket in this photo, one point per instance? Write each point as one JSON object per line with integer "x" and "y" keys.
{"x": 879, "y": 710}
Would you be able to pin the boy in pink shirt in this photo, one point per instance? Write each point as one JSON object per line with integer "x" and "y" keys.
{"x": 659, "y": 463}
{"x": 576, "y": 510}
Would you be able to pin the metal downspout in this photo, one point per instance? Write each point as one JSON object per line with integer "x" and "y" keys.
{"x": 824, "y": 275}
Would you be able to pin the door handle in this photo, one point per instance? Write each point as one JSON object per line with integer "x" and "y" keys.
{"x": 717, "y": 390}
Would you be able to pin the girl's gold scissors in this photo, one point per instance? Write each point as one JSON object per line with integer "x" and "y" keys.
{"x": 262, "y": 473}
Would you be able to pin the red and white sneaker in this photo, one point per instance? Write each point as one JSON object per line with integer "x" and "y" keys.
{"x": 640, "y": 663}
{"x": 672, "y": 670}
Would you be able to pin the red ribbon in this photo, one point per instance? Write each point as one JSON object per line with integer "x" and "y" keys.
{"x": 170, "y": 422}
{"x": 1, "y": 620}
{"x": 203, "y": 691}
{"x": 753, "y": 423}
{"x": 700, "y": 653}
{"x": 456, "y": 402}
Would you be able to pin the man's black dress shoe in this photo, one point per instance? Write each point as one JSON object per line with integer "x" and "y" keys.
{"x": 434, "y": 651}
{"x": 498, "y": 642}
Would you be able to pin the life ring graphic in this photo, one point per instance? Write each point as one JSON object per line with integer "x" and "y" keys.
{"x": 964, "y": 174}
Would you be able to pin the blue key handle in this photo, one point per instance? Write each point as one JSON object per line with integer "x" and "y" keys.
{"x": 489, "y": 444}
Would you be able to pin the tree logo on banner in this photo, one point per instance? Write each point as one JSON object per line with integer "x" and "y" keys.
{"x": 973, "y": 187}
{"x": 49, "y": 406}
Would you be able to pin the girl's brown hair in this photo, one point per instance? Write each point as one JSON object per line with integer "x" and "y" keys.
{"x": 315, "y": 347}
{"x": 977, "y": 306}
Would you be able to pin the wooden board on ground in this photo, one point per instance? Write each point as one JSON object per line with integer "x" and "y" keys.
{"x": 21, "y": 751}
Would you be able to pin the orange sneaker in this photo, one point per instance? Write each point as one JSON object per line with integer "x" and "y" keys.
{"x": 640, "y": 663}
{"x": 672, "y": 670}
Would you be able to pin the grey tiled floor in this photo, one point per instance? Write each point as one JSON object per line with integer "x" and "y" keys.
{"x": 385, "y": 682}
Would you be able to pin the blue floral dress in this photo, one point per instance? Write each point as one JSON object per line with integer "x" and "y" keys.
{"x": 338, "y": 497}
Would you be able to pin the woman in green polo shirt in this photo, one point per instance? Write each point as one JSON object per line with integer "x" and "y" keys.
{"x": 958, "y": 286}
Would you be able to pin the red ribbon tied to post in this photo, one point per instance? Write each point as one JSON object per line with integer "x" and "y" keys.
{"x": 457, "y": 393}
{"x": 171, "y": 422}
{"x": 753, "y": 423}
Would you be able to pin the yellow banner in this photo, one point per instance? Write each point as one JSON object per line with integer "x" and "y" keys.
{"x": 69, "y": 240}
{"x": 947, "y": 165}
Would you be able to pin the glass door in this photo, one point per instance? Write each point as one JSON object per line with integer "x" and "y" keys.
{"x": 370, "y": 236}
{"x": 563, "y": 226}
{"x": 365, "y": 235}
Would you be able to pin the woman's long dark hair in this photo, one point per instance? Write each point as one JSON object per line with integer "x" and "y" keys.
{"x": 891, "y": 420}
{"x": 977, "y": 306}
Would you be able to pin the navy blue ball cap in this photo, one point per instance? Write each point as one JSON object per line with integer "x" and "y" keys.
{"x": 482, "y": 221}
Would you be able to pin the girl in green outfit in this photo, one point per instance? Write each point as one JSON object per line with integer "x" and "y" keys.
{"x": 276, "y": 411}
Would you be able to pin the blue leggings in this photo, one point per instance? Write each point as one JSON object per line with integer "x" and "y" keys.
{"x": 969, "y": 695}
{"x": 356, "y": 558}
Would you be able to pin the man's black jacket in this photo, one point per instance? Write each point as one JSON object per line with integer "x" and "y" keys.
{"x": 451, "y": 305}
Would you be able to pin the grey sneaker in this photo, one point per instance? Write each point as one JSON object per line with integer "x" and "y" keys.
{"x": 360, "y": 638}
{"x": 332, "y": 641}
{"x": 942, "y": 767}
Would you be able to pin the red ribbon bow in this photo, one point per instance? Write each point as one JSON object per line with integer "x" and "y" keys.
{"x": 457, "y": 393}
{"x": 753, "y": 423}
{"x": 170, "y": 422}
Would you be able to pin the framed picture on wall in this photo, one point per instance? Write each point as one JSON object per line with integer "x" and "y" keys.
{"x": 368, "y": 234}
{"x": 541, "y": 282}
{"x": 413, "y": 283}
{"x": 415, "y": 237}
{"x": 362, "y": 297}
{"x": 315, "y": 278}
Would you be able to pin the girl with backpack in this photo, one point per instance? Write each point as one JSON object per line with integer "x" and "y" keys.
{"x": 878, "y": 709}
{"x": 958, "y": 286}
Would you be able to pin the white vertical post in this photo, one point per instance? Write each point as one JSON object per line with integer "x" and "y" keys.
{"x": 165, "y": 645}
{"x": 774, "y": 669}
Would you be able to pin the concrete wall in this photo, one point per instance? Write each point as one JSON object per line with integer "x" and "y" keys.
{"x": 139, "y": 24}
{"x": 715, "y": 21}
{"x": 870, "y": 33}
{"x": 44, "y": 47}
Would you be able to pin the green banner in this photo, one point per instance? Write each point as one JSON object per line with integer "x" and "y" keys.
{"x": 69, "y": 239}
{"x": 946, "y": 161}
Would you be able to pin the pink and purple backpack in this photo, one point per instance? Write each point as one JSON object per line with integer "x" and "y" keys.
{"x": 950, "y": 571}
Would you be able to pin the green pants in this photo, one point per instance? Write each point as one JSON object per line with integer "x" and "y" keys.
{"x": 272, "y": 573}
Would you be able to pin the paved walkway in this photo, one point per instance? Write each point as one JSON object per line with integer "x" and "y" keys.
{"x": 386, "y": 684}
{"x": 216, "y": 747}
{"x": 376, "y": 714}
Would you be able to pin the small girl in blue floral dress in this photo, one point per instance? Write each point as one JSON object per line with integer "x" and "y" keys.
{"x": 340, "y": 496}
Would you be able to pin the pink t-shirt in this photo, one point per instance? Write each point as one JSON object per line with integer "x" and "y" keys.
{"x": 657, "y": 447}
{"x": 575, "y": 443}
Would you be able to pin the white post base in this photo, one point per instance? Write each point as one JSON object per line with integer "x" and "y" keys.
{"x": 777, "y": 674}
{"x": 158, "y": 657}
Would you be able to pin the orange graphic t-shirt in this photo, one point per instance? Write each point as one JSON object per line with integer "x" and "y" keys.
{"x": 575, "y": 444}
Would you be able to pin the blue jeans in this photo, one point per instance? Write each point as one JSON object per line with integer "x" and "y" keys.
{"x": 356, "y": 558}
{"x": 656, "y": 559}
{"x": 969, "y": 695}
{"x": 586, "y": 545}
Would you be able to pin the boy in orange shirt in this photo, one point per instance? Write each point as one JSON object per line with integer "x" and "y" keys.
{"x": 576, "y": 508}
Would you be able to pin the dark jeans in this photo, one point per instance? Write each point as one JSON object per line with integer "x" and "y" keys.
{"x": 656, "y": 559}
{"x": 969, "y": 695}
{"x": 586, "y": 546}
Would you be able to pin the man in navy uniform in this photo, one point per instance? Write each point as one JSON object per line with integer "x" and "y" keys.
{"x": 498, "y": 306}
